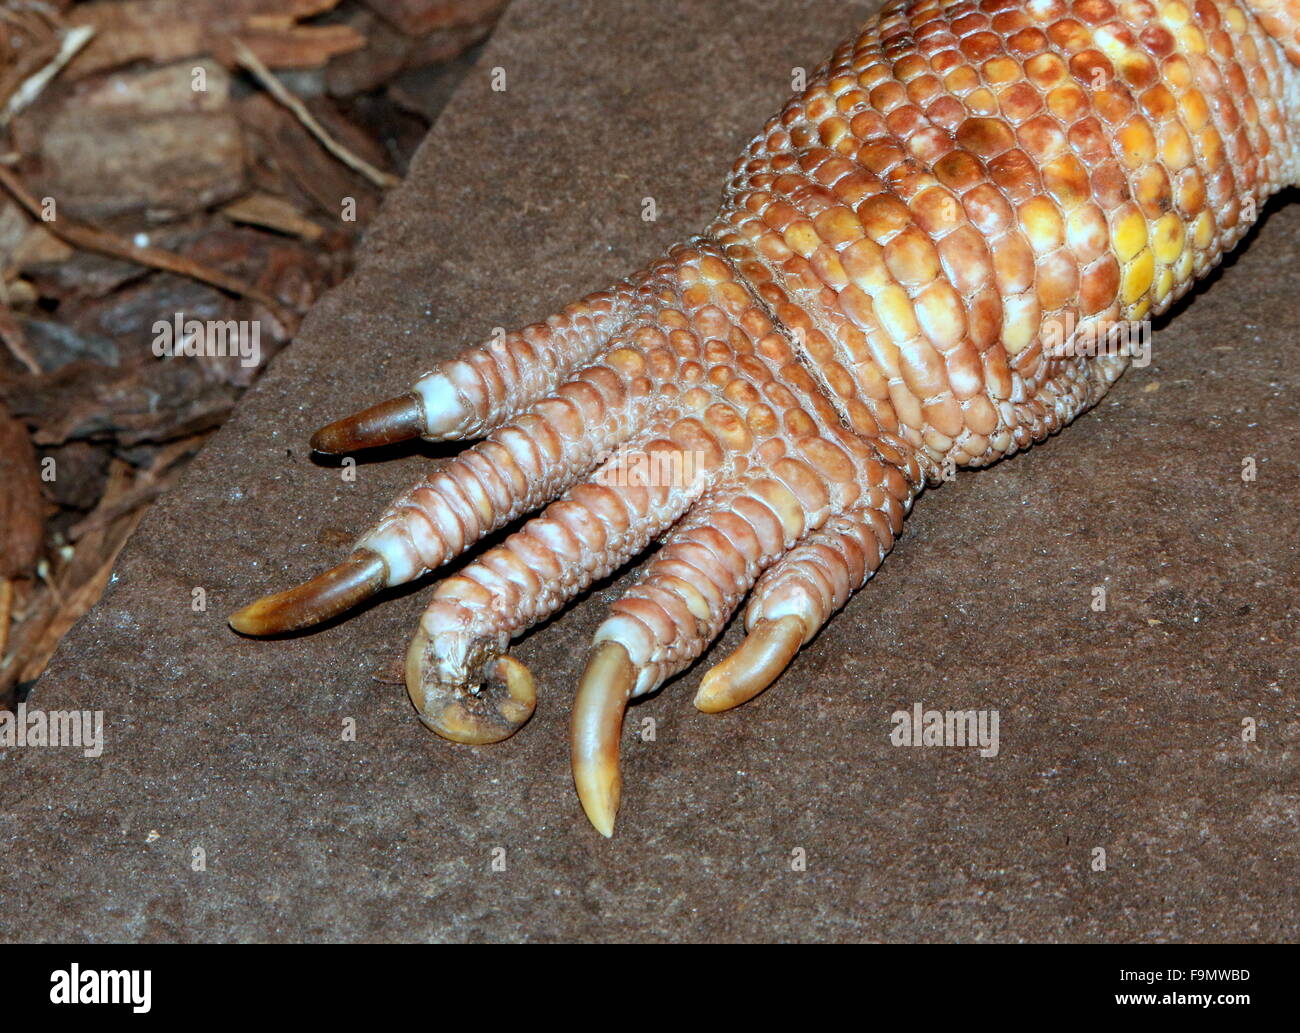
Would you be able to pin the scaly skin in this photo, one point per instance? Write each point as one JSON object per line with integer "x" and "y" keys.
{"x": 874, "y": 305}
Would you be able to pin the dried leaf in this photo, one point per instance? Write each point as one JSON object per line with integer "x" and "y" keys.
{"x": 263, "y": 209}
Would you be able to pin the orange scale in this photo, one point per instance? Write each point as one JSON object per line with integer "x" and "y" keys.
{"x": 869, "y": 127}
{"x": 1158, "y": 40}
{"x": 911, "y": 257}
{"x": 947, "y": 112}
{"x": 1207, "y": 15}
{"x": 1099, "y": 286}
{"x": 1086, "y": 233}
{"x": 937, "y": 211}
{"x": 965, "y": 371}
{"x": 835, "y": 132}
{"x": 985, "y": 137}
{"x": 761, "y": 421}
{"x": 1176, "y": 149}
{"x": 696, "y": 296}
{"x": 839, "y": 379}
{"x": 988, "y": 210}
{"x": 908, "y": 68}
{"x": 962, "y": 79}
{"x": 716, "y": 352}
{"x": 1067, "y": 181}
{"x": 818, "y": 106}
{"x": 880, "y": 157}
{"x": 826, "y": 459}
{"x": 937, "y": 44}
{"x": 965, "y": 258}
{"x": 1013, "y": 263}
{"x": 804, "y": 483}
{"x": 1000, "y": 70}
{"x": 959, "y": 171}
{"x": 905, "y": 120}
{"x": 832, "y": 170}
{"x": 887, "y": 96}
{"x": 1042, "y": 138}
{"x": 1058, "y": 280}
{"x": 1113, "y": 105}
{"x": 1068, "y": 103}
{"x": 1020, "y": 102}
{"x": 967, "y": 24}
{"x": 1110, "y": 187}
{"x": 1153, "y": 192}
{"x": 1069, "y": 35}
{"x": 801, "y": 136}
{"x": 882, "y": 216}
{"x": 798, "y": 423}
{"x": 1046, "y": 70}
{"x": 1010, "y": 22}
{"x": 1094, "y": 12}
{"x": 981, "y": 46}
{"x": 797, "y": 377}
{"x": 924, "y": 89}
{"x": 854, "y": 188}
{"x": 1016, "y": 174}
{"x": 819, "y": 346}
{"x": 929, "y": 145}
{"x": 793, "y": 317}
{"x": 1159, "y": 103}
{"x": 856, "y": 304}
{"x": 1136, "y": 143}
{"x": 1091, "y": 67}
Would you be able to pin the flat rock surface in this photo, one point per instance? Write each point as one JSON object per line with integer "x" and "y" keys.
{"x": 1120, "y": 730}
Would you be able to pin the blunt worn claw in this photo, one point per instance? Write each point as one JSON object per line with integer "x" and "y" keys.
{"x": 327, "y": 595}
{"x": 434, "y": 410}
{"x": 765, "y": 653}
{"x": 397, "y": 419}
{"x": 603, "y": 695}
{"x": 476, "y": 714}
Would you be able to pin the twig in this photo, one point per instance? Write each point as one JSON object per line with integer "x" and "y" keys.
{"x": 91, "y": 238}
{"x": 6, "y": 611}
{"x": 32, "y": 86}
{"x": 253, "y": 63}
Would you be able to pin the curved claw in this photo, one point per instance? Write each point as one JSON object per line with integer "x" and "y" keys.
{"x": 494, "y": 709}
{"x": 327, "y": 595}
{"x": 765, "y": 653}
{"x": 602, "y": 698}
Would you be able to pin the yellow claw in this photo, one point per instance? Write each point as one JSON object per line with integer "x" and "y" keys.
{"x": 602, "y": 698}
{"x": 765, "y": 653}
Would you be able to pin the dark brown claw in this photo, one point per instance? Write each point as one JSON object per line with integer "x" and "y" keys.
{"x": 340, "y": 588}
{"x": 387, "y": 423}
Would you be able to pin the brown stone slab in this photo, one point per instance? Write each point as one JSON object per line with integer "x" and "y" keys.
{"x": 1119, "y": 730}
